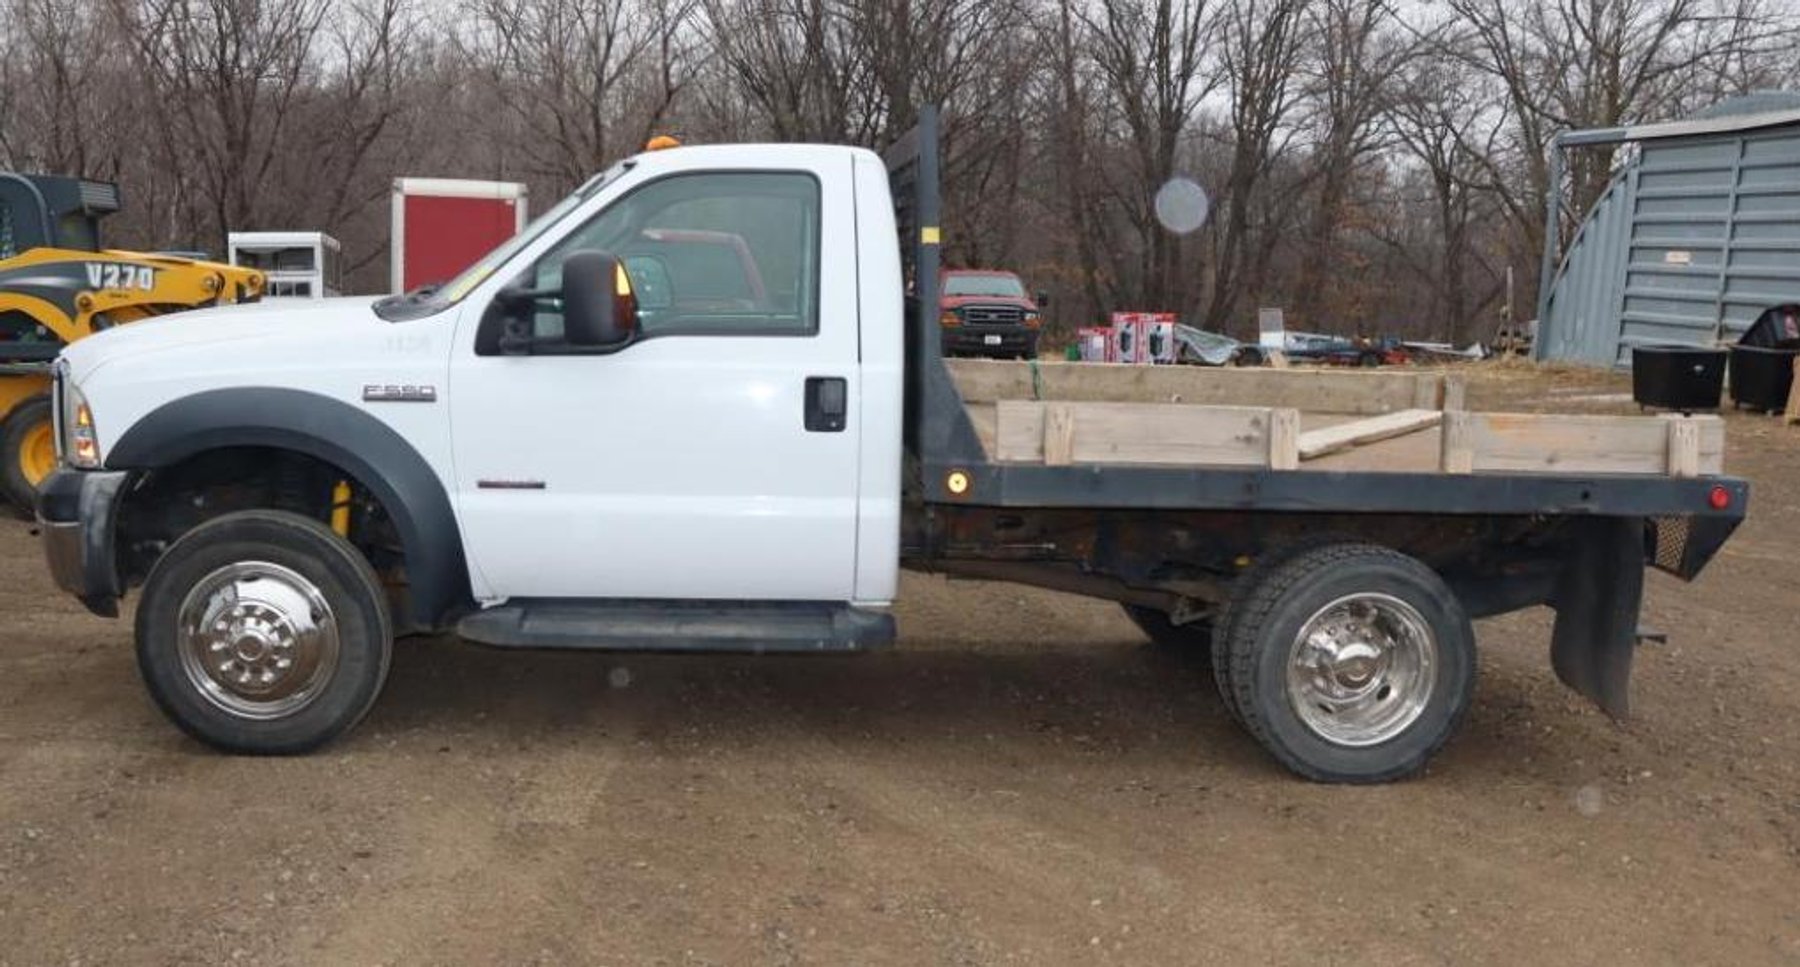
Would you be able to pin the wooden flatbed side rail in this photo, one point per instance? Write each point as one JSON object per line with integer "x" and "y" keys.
{"x": 1059, "y": 433}
{"x": 1679, "y": 446}
{"x": 1351, "y": 392}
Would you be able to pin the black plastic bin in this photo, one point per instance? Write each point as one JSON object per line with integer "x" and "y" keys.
{"x": 1684, "y": 378}
{"x": 1761, "y": 378}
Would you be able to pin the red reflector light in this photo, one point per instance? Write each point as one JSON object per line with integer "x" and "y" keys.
{"x": 1719, "y": 498}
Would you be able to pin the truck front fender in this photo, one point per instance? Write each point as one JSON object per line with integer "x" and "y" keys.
{"x": 333, "y": 431}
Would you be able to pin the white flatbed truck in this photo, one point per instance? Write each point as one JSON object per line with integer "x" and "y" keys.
{"x": 693, "y": 408}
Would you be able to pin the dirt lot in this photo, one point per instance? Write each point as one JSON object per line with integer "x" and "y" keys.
{"x": 1021, "y": 781}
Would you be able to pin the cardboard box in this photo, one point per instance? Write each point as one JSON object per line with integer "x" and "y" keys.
{"x": 1096, "y": 344}
{"x": 1144, "y": 337}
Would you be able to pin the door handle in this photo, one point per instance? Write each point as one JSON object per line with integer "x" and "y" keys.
{"x": 827, "y": 404}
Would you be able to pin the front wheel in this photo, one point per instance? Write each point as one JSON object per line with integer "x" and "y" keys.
{"x": 263, "y": 632}
{"x": 28, "y": 450}
{"x": 1351, "y": 663}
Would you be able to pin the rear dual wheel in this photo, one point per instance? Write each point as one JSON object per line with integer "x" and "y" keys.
{"x": 1348, "y": 662}
{"x": 27, "y": 452}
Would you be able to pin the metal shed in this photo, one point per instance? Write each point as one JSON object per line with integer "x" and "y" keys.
{"x": 1698, "y": 234}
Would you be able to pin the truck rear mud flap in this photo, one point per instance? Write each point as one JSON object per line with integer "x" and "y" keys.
{"x": 1597, "y": 598}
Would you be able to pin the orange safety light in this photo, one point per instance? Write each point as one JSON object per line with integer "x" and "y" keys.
{"x": 661, "y": 142}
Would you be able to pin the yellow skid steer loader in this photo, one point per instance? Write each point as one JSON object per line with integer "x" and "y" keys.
{"x": 58, "y": 285}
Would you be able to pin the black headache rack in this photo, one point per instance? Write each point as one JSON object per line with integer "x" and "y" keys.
{"x": 943, "y": 450}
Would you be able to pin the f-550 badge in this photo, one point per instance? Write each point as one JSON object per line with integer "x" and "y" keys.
{"x": 114, "y": 275}
{"x": 399, "y": 393}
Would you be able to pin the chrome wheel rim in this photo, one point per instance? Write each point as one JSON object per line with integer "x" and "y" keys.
{"x": 1362, "y": 669}
{"x": 257, "y": 640}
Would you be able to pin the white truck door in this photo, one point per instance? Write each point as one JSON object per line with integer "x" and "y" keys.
{"x": 714, "y": 457}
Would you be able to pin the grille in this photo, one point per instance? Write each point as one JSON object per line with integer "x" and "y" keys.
{"x": 1671, "y": 542}
{"x": 993, "y": 315}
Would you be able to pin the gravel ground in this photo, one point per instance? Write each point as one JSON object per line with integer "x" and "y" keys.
{"x": 1021, "y": 781}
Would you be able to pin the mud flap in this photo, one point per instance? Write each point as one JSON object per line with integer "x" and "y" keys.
{"x": 1597, "y": 599}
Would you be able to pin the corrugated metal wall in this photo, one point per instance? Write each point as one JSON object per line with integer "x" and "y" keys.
{"x": 1693, "y": 240}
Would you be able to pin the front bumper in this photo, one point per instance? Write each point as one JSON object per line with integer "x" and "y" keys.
{"x": 990, "y": 340}
{"x": 77, "y": 515}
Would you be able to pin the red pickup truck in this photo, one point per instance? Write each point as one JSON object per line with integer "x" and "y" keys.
{"x": 988, "y": 313}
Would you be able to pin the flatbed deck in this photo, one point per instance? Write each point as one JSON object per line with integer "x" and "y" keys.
{"x": 1058, "y": 414}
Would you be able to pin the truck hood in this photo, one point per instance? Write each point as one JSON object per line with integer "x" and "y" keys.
{"x": 958, "y": 301}
{"x": 312, "y": 322}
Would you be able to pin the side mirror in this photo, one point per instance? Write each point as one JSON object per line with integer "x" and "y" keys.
{"x": 599, "y": 307}
{"x": 1042, "y": 299}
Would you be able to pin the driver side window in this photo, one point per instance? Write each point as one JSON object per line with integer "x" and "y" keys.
{"x": 714, "y": 254}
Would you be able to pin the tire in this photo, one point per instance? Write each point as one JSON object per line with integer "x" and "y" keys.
{"x": 1235, "y": 603}
{"x": 1368, "y": 360}
{"x": 23, "y": 441}
{"x": 287, "y": 571}
{"x": 1193, "y": 639}
{"x": 1248, "y": 357}
{"x": 1397, "y": 712}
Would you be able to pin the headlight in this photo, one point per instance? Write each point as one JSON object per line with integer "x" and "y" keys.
{"x": 1033, "y": 319}
{"x": 80, "y": 443}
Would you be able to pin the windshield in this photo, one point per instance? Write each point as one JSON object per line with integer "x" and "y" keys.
{"x": 1005, "y": 286}
{"x": 474, "y": 275}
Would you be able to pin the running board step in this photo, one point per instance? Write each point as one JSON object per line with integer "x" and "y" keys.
{"x": 755, "y": 627}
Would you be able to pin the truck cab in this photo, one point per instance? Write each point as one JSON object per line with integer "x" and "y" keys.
{"x": 749, "y": 412}
{"x": 739, "y": 441}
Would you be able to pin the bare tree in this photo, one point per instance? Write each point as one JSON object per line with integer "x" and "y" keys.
{"x": 1597, "y": 63}
{"x": 1260, "y": 43}
{"x": 1356, "y": 54}
{"x": 588, "y": 80}
{"x": 798, "y": 62}
{"x": 59, "y": 81}
{"x": 1351, "y": 180}
{"x": 226, "y": 76}
{"x": 1149, "y": 58}
{"x": 1073, "y": 155}
{"x": 1449, "y": 121}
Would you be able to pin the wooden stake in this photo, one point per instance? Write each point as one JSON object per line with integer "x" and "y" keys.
{"x": 1059, "y": 434}
{"x": 1684, "y": 448}
{"x": 1456, "y": 391}
{"x": 1284, "y": 439}
{"x": 1459, "y": 443}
